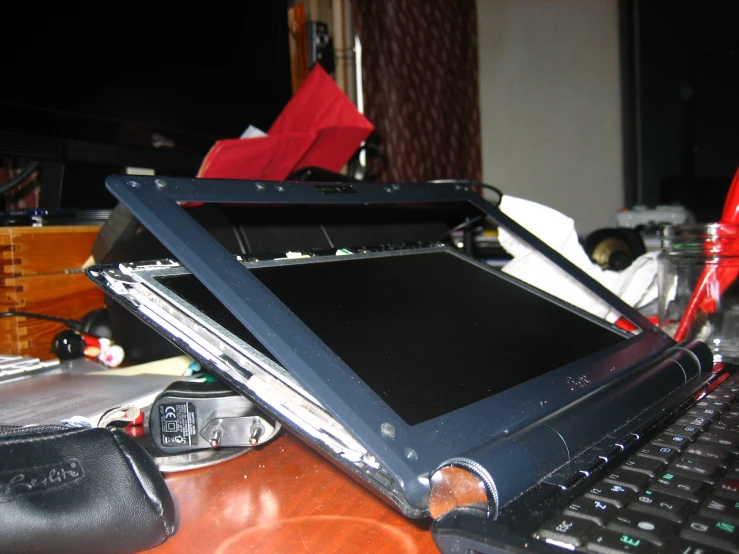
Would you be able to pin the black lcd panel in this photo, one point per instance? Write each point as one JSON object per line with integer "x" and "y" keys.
{"x": 430, "y": 332}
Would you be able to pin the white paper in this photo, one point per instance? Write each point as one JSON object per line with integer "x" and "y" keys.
{"x": 636, "y": 285}
{"x": 252, "y": 132}
{"x": 48, "y": 399}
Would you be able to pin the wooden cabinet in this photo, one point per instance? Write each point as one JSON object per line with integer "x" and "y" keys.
{"x": 41, "y": 272}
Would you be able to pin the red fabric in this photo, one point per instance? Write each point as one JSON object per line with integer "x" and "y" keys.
{"x": 319, "y": 127}
{"x": 269, "y": 158}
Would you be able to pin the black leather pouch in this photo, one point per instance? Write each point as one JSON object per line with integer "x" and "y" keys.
{"x": 80, "y": 490}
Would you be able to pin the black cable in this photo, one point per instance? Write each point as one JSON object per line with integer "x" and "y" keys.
{"x": 18, "y": 179}
{"x": 473, "y": 184}
{"x": 71, "y": 323}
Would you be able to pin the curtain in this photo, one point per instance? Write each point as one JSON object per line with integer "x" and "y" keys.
{"x": 420, "y": 80}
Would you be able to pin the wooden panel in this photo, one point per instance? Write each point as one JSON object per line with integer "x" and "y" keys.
{"x": 298, "y": 45}
{"x": 41, "y": 250}
{"x": 61, "y": 295}
{"x": 40, "y": 272}
{"x": 284, "y": 498}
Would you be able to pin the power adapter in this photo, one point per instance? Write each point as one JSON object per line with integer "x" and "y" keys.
{"x": 190, "y": 415}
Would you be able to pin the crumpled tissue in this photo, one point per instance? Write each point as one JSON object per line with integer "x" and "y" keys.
{"x": 636, "y": 285}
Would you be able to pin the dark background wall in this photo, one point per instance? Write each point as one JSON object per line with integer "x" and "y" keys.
{"x": 686, "y": 79}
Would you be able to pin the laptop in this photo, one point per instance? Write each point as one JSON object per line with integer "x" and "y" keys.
{"x": 517, "y": 422}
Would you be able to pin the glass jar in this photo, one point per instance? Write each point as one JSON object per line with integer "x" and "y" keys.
{"x": 698, "y": 280}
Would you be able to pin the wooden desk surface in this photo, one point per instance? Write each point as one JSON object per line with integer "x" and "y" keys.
{"x": 285, "y": 498}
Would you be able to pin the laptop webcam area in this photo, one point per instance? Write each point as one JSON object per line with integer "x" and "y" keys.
{"x": 408, "y": 360}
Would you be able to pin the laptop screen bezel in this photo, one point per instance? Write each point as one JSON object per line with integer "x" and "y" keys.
{"x": 409, "y": 453}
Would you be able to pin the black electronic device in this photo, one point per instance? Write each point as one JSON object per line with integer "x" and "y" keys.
{"x": 90, "y": 100}
{"x": 320, "y": 46}
{"x": 406, "y": 364}
{"x": 191, "y": 415}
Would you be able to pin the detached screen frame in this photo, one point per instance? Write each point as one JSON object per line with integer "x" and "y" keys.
{"x": 409, "y": 453}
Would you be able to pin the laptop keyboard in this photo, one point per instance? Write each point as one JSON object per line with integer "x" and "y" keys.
{"x": 678, "y": 493}
{"x": 15, "y": 367}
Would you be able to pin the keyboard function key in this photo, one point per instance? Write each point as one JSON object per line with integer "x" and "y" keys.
{"x": 628, "y": 479}
{"x": 702, "y": 422}
{"x": 658, "y": 452}
{"x": 723, "y": 396}
{"x": 677, "y": 442}
{"x": 724, "y": 425}
{"x": 648, "y": 466}
{"x": 689, "y": 431}
{"x": 567, "y": 530}
{"x": 703, "y": 412}
{"x": 720, "y": 440}
{"x": 712, "y": 404}
{"x": 730, "y": 415}
{"x": 719, "y": 456}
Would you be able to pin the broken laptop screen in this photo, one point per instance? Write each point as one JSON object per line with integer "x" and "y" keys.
{"x": 428, "y": 332}
{"x": 473, "y": 367}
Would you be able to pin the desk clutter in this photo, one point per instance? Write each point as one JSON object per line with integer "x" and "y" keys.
{"x": 352, "y": 315}
{"x": 379, "y": 355}
{"x": 333, "y": 372}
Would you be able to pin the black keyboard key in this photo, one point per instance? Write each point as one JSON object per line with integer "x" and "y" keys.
{"x": 597, "y": 511}
{"x": 696, "y": 468}
{"x": 610, "y": 542}
{"x": 567, "y": 530}
{"x": 728, "y": 488}
{"x": 701, "y": 422}
{"x": 719, "y": 534}
{"x": 678, "y": 442}
{"x": 723, "y": 396}
{"x": 728, "y": 428}
{"x": 730, "y": 415}
{"x": 721, "y": 441}
{"x": 663, "y": 505}
{"x": 682, "y": 546}
{"x": 721, "y": 509}
{"x": 617, "y": 495}
{"x": 643, "y": 526}
{"x": 713, "y": 404}
{"x": 658, "y": 452}
{"x": 647, "y": 466}
{"x": 719, "y": 456}
{"x": 689, "y": 431}
{"x": 682, "y": 487}
{"x": 627, "y": 479}
{"x": 703, "y": 412}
